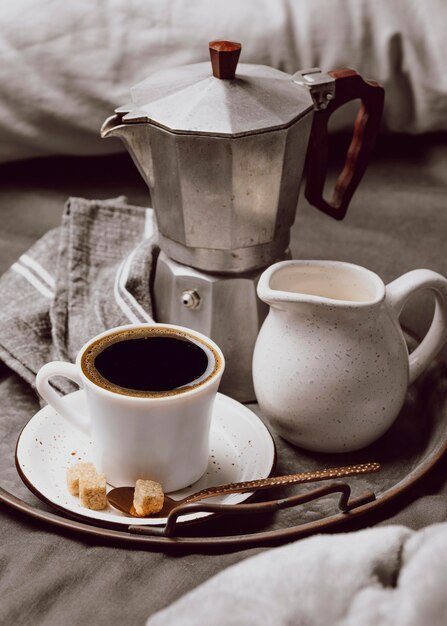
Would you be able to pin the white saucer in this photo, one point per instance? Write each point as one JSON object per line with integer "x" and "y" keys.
{"x": 241, "y": 448}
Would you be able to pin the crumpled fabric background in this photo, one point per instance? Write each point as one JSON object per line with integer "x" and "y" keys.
{"x": 66, "y": 65}
{"x": 387, "y": 576}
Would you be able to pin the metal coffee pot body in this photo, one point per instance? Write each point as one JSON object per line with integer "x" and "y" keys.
{"x": 223, "y": 204}
{"x": 223, "y": 154}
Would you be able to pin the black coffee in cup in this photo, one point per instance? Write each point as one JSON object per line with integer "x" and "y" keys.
{"x": 149, "y": 362}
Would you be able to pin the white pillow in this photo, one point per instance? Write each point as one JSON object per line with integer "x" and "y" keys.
{"x": 66, "y": 64}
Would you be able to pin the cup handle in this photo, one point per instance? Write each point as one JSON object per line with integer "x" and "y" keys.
{"x": 48, "y": 393}
{"x": 397, "y": 294}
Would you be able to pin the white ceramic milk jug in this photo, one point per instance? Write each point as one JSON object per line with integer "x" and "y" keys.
{"x": 331, "y": 367}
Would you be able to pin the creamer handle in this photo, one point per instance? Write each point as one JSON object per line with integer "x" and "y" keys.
{"x": 397, "y": 294}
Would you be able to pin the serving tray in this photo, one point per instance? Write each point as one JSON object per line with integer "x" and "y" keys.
{"x": 407, "y": 452}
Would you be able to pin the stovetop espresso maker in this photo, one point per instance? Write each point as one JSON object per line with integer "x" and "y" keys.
{"x": 222, "y": 149}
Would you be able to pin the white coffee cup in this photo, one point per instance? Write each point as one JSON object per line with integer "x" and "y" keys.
{"x": 163, "y": 438}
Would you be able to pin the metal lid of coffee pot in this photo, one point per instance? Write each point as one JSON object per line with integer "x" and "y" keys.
{"x": 233, "y": 100}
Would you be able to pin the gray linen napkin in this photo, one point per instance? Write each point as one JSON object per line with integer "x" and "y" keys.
{"x": 90, "y": 274}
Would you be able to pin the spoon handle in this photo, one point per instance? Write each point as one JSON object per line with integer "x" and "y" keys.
{"x": 279, "y": 481}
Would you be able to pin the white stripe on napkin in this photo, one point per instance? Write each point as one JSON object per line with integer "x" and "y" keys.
{"x": 119, "y": 300}
{"x": 131, "y": 301}
{"x": 149, "y": 226}
{"x": 38, "y": 269}
{"x": 31, "y": 278}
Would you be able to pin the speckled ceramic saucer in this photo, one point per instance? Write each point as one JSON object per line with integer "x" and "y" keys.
{"x": 241, "y": 448}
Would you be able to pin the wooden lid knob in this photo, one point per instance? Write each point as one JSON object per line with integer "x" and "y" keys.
{"x": 224, "y": 57}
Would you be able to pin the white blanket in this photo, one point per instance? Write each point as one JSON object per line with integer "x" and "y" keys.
{"x": 66, "y": 64}
{"x": 389, "y": 576}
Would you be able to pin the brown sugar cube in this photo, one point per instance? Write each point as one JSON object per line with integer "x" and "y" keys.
{"x": 75, "y": 472}
{"x": 148, "y": 497}
{"x": 92, "y": 491}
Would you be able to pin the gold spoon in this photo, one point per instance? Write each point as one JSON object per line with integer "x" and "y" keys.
{"x": 121, "y": 498}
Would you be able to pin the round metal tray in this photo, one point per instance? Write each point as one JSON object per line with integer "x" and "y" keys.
{"x": 407, "y": 452}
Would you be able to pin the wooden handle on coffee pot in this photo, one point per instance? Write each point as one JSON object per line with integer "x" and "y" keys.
{"x": 224, "y": 58}
{"x": 348, "y": 86}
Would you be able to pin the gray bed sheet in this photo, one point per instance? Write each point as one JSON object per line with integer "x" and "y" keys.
{"x": 397, "y": 222}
